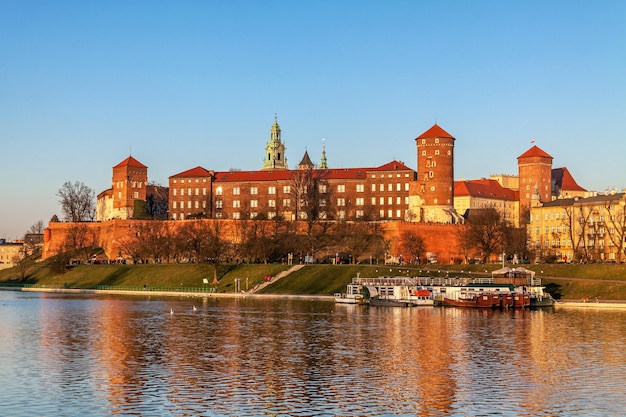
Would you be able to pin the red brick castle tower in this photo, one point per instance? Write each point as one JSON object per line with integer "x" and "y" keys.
{"x": 535, "y": 176}
{"x": 432, "y": 195}
{"x": 129, "y": 184}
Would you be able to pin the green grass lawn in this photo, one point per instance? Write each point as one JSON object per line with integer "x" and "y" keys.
{"x": 313, "y": 279}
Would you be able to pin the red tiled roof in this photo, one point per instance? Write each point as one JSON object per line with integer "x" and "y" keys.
{"x": 392, "y": 166}
{"x": 485, "y": 188}
{"x": 283, "y": 174}
{"x": 535, "y": 151}
{"x": 435, "y": 132}
{"x": 194, "y": 172}
{"x": 565, "y": 181}
{"x": 130, "y": 162}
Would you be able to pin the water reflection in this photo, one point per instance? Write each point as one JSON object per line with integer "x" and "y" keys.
{"x": 73, "y": 355}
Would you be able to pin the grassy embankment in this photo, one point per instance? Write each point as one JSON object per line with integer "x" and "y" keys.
{"x": 606, "y": 281}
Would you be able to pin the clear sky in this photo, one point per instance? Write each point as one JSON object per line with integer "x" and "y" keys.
{"x": 185, "y": 83}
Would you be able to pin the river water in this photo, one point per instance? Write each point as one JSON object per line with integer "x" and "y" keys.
{"x": 78, "y": 355}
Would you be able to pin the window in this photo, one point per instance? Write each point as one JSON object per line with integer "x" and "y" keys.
{"x": 437, "y": 152}
{"x": 204, "y": 204}
{"x": 271, "y": 214}
{"x": 254, "y": 190}
{"x": 175, "y": 191}
{"x": 390, "y": 187}
{"x": 423, "y": 154}
{"x": 197, "y": 204}
{"x": 341, "y": 202}
{"x": 360, "y": 202}
{"x": 236, "y": 191}
{"x": 218, "y": 191}
{"x": 390, "y": 213}
{"x": 423, "y": 141}
{"x": 322, "y": 202}
{"x": 254, "y": 203}
{"x": 381, "y": 214}
{"x": 236, "y": 215}
{"x": 236, "y": 203}
{"x": 341, "y": 188}
{"x": 398, "y": 213}
{"x": 390, "y": 200}
{"x": 286, "y": 202}
{"x": 398, "y": 200}
{"x": 189, "y": 204}
{"x": 182, "y": 191}
{"x": 382, "y": 201}
{"x": 135, "y": 194}
{"x": 373, "y": 187}
{"x": 360, "y": 188}
{"x": 359, "y": 214}
{"x": 271, "y": 203}
{"x": 219, "y": 204}
{"x": 189, "y": 190}
{"x": 174, "y": 204}
{"x": 271, "y": 190}
{"x": 341, "y": 214}
{"x": 373, "y": 201}
{"x": 398, "y": 187}
{"x": 197, "y": 191}
{"x": 286, "y": 189}
{"x": 322, "y": 188}
{"x": 218, "y": 215}
{"x": 381, "y": 187}
{"x": 204, "y": 191}
{"x": 174, "y": 216}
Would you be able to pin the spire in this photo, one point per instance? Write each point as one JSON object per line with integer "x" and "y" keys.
{"x": 306, "y": 162}
{"x": 323, "y": 162}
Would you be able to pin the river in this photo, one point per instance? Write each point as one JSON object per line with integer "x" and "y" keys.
{"x": 78, "y": 355}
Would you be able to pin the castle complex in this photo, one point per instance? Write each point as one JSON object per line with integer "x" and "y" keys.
{"x": 392, "y": 192}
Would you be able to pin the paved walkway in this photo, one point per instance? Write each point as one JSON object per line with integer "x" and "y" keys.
{"x": 277, "y": 277}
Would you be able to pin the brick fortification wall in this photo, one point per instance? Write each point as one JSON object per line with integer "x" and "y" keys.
{"x": 441, "y": 239}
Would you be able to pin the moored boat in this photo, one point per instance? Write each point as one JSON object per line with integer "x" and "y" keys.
{"x": 354, "y": 295}
{"x": 481, "y": 300}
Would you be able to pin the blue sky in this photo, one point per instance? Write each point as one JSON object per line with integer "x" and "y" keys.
{"x": 188, "y": 83}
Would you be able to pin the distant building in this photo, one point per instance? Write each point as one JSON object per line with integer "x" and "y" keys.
{"x": 486, "y": 193}
{"x": 587, "y": 229}
{"x": 10, "y": 253}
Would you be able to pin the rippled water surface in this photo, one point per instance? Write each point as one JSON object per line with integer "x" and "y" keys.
{"x": 74, "y": 355}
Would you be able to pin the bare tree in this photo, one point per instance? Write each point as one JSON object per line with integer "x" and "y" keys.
{"x": 78, "y": 202}
{"x": 413, "y": 244}
{"x": 617, "y": 225}
{"x": 485, "y": 231}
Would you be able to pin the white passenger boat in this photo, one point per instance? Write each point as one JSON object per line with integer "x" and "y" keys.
{"x": 353, "y": 295}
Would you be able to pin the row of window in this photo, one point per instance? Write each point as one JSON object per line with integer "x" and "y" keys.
{"x": 341, "y": 188}
{"x": 286, "y": 202}
{"x": 189, "y": 191}
{"x": 341, "y": 215}
{"x": 133, "y": 184}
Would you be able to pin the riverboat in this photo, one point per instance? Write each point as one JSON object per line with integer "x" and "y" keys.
{"x": 480, "y": 300}
{"x": 353, "y": 295}
{"x": 392, "y": 292}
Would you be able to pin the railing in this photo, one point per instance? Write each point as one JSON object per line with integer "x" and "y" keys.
{"x": 145, "y": 288}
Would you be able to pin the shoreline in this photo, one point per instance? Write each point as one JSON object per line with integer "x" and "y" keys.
{"x": 171, "y": 293}
{"x": 606, "y": 304}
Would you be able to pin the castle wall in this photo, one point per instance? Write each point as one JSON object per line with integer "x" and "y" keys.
{"x": 441, "y": 239}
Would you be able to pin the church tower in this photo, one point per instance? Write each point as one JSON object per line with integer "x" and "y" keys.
{"x": 275, "y": 149}
{"x": 433, "y": 192}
